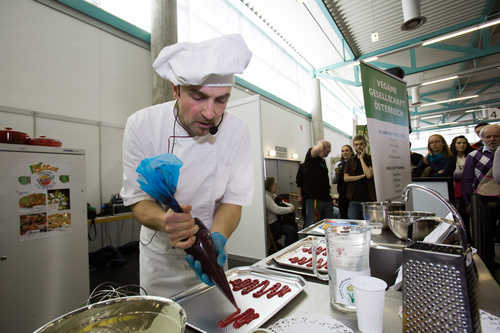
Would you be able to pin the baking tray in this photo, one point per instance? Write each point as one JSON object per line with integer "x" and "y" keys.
{"x": 300, "y": 251}
{"x": 317, "y": 228}
{"x": 279, "y": 260}
{"x": 205, "y": 306}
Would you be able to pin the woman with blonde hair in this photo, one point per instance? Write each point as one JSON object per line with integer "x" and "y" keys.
{"x": 440, "y": 161}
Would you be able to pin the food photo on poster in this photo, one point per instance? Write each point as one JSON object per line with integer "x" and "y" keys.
{"x": 44, "y": 199}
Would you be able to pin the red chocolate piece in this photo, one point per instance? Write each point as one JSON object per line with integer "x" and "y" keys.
{"x": 245, "y": 318}
{"x": 284, "y": 290}
{"x": 239, "y": 319}
{"x": 228, "y": 320}
{"x": 294, "y": 260}
{"x": 250, "y": 287}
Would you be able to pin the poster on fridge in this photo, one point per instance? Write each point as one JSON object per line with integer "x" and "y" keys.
{"x": 44, "y": 199}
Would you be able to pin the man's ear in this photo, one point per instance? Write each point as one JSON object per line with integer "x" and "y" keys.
{"x": 176, "y": 91}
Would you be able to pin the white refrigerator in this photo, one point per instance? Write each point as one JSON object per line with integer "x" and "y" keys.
{"x": 43, "y": 235}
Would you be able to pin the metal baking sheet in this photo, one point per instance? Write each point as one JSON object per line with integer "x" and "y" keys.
{"x": 302, "y": 250}
{"x": 317, "y": 228}
{"x": 205, "y": 306}
{"x": 274, "y": 260}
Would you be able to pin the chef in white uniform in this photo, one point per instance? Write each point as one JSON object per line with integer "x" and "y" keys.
{"x": 216, "y": 178}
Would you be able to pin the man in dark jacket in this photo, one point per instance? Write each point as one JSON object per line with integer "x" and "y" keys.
{"x": 316, "y": 184}
{"x": 358, "y": 174}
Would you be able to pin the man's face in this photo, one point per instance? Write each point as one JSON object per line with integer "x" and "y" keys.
{"x": 478, "y": 130}
{"x": 201, "y": 107}
{"x": 491, "y": 137}
{"x": 359, "y": 146}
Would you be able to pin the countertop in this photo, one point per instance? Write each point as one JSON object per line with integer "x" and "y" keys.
{"x": 314, "y": 299}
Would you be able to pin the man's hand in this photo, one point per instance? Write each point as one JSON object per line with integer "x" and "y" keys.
{"x": 198, "y": 269}
{"x": 219, "y": 242}
{"x": 180, "y": 228}
{"x": 361, "y": 154}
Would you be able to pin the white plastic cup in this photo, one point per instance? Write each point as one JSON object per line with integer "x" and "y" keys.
{"x": 369, "y": 295}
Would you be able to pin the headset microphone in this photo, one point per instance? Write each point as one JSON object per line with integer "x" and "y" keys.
{"x": 214, "y": 129}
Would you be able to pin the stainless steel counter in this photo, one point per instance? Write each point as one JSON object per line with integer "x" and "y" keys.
{"x": 314, "y": 299}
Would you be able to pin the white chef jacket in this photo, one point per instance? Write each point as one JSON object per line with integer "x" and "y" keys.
{"x": 216, "y": 169}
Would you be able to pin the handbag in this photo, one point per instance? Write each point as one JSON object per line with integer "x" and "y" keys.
{"x": 488, "y": 186}
{"x": 288, "y": 218}
{"x": 439, "y": 286}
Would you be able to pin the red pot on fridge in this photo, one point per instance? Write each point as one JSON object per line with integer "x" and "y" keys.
{"x": 8, "y": 135}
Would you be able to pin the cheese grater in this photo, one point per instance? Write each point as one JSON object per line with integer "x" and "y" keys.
{"x": 439, "y": 286}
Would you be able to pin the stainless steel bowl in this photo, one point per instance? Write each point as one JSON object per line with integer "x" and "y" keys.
{"x": 376, "y": 211}
{"x": 399, "y": 221}
{"x": 125, "y": 314}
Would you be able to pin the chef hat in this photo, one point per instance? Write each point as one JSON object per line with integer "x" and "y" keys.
{"x": 210, "y": 63}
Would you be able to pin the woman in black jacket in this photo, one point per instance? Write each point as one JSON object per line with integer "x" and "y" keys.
{"x": 338, "y": 178}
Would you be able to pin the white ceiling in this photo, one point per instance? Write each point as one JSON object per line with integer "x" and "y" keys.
{"x": 329, "y": 34}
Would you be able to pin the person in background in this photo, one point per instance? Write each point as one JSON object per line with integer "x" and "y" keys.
{"x": 477, "y": 129}
{"x": 299, "y": 180}
{"x": 460, "y": 148}
{"x": 346, "y": 152}
{"x": 440, "y": 161}
{"x": 278, "y": 226}
{"x": 417, "y": 163}
{"x": 477, "y": 165}
{"x": 216, "y": 178}
{"x": 358, "y": 173}
{"x": 496, "y": 166}
{"x": 316, "y": 184}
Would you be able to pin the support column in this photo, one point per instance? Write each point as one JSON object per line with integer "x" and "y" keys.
{"x": 163, "y": 33}
{"x": 317, "y": 113}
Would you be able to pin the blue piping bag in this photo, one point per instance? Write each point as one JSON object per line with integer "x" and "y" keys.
{"x": 158, "y": 177}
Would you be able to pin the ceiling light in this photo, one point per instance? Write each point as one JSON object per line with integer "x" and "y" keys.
{"x": 411, "y": 15}
{"x": 431, "y": 117}
{"x": 461, "y": 32}
{"x": 428, "y": 126}
{"x": 352, "y": 64}
{"x": 450, "y": 123}
{"x": 440, "y": 80}
{"x": 370, "y": 59}
{"x": 451, "y": 100}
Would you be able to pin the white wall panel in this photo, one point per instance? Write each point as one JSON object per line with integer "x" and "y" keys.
{"x": 125, "y": 79}
{"x": 50, "y": 61}
{"x": 111, "y": 161}
{"x": 284, "y": 128}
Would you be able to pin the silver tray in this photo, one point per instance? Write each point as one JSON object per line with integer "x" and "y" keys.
{"x": 279, "y": 260}
{"x": 205, "y": 306}
{"x": 298, "y": 251}
{"x": 317, "y": 228}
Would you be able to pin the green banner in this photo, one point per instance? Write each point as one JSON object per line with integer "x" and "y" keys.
{"x": 385, "y": 97}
